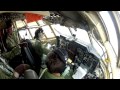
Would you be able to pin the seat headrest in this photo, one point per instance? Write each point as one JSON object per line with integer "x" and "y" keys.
{"x": 30, "y": 74}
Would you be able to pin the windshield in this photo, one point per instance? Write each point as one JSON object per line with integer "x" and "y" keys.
{"x": 80, "y": 34}
{"x": 111, "y": 30}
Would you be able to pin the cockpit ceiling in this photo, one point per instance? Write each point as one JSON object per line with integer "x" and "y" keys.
{"x": 21, "y": 15}
{"x": 12, "y": 16}
{"x": 44, "y": 13}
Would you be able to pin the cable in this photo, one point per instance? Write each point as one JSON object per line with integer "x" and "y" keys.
{"x": 103, "y": 53}
{"x": 113, "y": 50}
{"x": 98, "y": 43}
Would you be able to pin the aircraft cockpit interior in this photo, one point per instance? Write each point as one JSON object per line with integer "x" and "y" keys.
{"x": 92, "y": 51}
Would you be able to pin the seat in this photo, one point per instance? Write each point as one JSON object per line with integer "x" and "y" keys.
{"x": 30, "y": 74}
{"x": 33, "y": 58}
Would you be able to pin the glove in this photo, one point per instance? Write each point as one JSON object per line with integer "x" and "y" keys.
{"x": 21, "y": 68}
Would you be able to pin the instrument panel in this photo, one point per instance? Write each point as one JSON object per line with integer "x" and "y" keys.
{"x": 79, "y": 54}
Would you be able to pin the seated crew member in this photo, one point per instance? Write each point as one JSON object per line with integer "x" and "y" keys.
{"x": 10, "y": 41}
{"x": 37, "y": 45}
{"x": 11, "y": 44}
{"x": 56, "y": 64}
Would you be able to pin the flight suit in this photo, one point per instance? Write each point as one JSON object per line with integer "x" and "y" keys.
{"x": 12, "y": 45}
{"x": 4, "y": 75}
{"x": 48, "y": 75}
{"x": 6, "y": 72}
{"x": 39, "y": 49}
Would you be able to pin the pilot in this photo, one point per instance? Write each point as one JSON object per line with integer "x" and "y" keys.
{"x": 39, "y": 34}
{"x": 38, "y": 46}
{"x": 37, "y": 42}
{"x": 56, "y": 64}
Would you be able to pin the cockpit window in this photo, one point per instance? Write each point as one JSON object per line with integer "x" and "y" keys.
{"x": 111, "y": 30}
{"x": 99, "y": 48}
{"x": 55, "y": 28}
{"x": 24, "y": 34}
{"x": 73, "y": 30}
{"x": 20, "y": 23}
{"x": 48, "y": 31}
{"x": 41, "y": 22}
{"x": 32, "y": 24}
{"x": 79, "y": 33}
{"x": 61, "y": 30}
{"x": 82, "y": 35}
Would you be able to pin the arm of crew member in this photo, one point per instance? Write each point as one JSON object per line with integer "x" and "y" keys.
{"x": 11, "y": 54}
{"x": 6, "y": 76}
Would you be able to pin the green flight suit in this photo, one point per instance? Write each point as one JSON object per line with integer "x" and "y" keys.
{"x": 39, "y": 49}
{"x": 48, "y": 75}
{"x": 12, "y": 42}
{"x": 6, "y": 72}
{"x": 4, "y": 75}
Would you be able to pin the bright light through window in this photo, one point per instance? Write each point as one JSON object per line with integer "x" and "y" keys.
{"x": 48, "y": 31}
{"x": 25, "y": 34}
{"x": 32, "y": 24}
{"x": 100, "y": 48}
{"x": 41, "y": 22}
{"x": 73, "y": 31}
{"x": 33, "y": 31}
{"x": 82, "y": 35}
{"x": 111, "y": 30}
{"x": 32, "y": 27}
{"x": 55, "y": 28}
{"x": 20, "y": 23}
{"x": 61, "y": 30}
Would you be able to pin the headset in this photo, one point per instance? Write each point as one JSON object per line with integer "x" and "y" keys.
{"x": 62, "y": 54}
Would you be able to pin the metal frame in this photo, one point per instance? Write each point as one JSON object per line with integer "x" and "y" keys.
{"x": 41, "y": 26}
{"x": 106, "y": 31}
{"x": 116, "y": 21}
{"x": 70, "y": 31}
{"x": 47, "y": 23}
{"x": 28, "y": 29}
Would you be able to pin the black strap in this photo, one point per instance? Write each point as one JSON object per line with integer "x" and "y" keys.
{"x": 30, "y": 57}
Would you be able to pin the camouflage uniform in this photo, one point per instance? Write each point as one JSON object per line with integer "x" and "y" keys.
{"x": 12, "y": 43}
{"x": 4, "y": 75}
{"x": 6, "y": 72}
